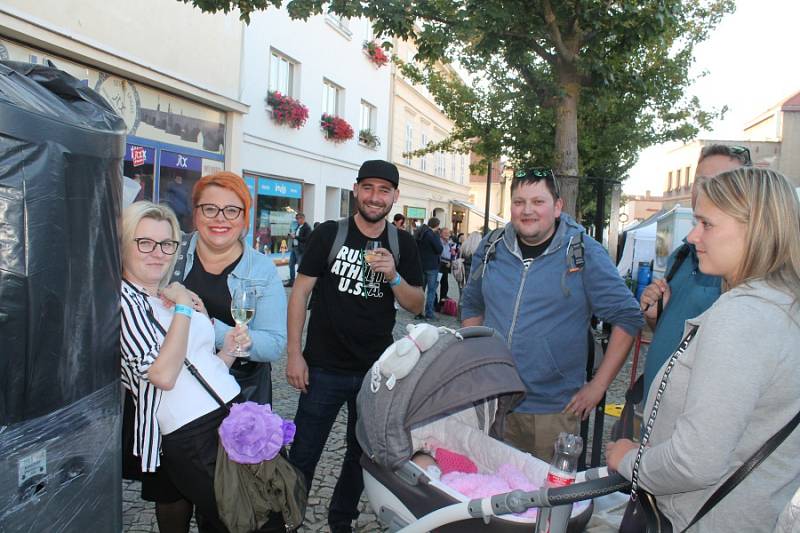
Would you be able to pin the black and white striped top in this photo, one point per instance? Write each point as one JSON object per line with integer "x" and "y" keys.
{"x": 141, "y": 343}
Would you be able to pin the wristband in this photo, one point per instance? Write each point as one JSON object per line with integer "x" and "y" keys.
{"x": 396, "y": 281}
{"x": 184, "y": 310}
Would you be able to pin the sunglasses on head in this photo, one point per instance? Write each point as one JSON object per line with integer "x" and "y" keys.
{"x": 535, "y": 174}
{"x": 741, "y": 151}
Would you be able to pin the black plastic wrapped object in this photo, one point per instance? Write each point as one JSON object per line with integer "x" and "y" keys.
{"x": 61, "y": 149}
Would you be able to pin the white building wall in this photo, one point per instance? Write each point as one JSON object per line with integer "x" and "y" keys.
{"x": 322, "y": 52}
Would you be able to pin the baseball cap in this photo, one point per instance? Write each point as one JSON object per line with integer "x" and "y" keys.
{"x": 377, "y": 168}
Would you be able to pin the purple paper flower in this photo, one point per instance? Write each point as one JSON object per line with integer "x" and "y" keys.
{"x": 252, "y": 433}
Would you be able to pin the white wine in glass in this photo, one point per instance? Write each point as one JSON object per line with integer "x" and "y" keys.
{"x": 371, "y": 250}
{"x": 243, "y": 309}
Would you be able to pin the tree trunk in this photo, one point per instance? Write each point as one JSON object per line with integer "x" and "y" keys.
{"x": 566, "y": 142}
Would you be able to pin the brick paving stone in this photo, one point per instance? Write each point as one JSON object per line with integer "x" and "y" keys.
{"x": 139, "y": 516}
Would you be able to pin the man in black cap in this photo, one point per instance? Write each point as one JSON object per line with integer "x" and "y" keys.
{"x": 351, "y": 322}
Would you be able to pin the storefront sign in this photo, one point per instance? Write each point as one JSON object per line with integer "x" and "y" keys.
{"x": 415, "y": 212}
{"x": 138, "y": 156}
{"x": 286, "y": 189}
{"x": 180, "y": 161}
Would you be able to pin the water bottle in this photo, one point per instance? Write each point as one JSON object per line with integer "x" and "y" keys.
{"x": 643, "y": 278}
{"x": 562, "y": 472}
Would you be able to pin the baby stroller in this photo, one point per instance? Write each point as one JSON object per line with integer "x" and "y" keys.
{"x": 457, "y": 394}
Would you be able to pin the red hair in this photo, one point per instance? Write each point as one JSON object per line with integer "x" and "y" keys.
{"x": 226, "y": 180}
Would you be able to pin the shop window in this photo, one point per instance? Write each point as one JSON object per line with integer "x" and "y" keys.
{"x": 139, "y": 165}
{"x": 332, "y": 96}
{"x": 177, "y": 175}
{"x": 282, "y": 74}
{"x": 276, "y": 204}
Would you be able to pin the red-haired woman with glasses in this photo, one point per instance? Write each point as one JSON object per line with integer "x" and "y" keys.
{"x": 219, "y": 261}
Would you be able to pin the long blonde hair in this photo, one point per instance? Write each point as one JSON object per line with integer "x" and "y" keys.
{"x": 766, "y": 203}
{"x": 134, "y": 213}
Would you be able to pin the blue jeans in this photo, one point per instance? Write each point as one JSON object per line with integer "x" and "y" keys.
{"x": 431, "y": 277}
{"x": 294, "y": 260}
{"x": 316, "y": 413}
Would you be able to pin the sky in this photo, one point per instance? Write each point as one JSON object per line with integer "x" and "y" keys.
{"x": 751, "y": 64}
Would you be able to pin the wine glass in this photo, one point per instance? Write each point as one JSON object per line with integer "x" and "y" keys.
{"x": 243, "y": 309}
{"x": 370, "y": 250}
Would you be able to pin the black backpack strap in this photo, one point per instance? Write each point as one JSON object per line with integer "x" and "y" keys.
{"x": 680, "y": 256}
{"x": 489, "y": 246}
{"x": 183, "y": 255}
{"x": 341, "y": 235}
{"x": 747, "y": 467}
{"x": 394, "y": 242}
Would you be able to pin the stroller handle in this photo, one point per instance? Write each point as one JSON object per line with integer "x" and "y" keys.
{"x": 596, "y": 485}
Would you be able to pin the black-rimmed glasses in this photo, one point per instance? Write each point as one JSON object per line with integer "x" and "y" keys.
{"x": 230, "y": 212}
{"x": 146, "y": 245}
{"x": 536, "y": 174}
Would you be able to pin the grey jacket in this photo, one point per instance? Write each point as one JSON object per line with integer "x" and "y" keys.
{"x": 735, "y": 386}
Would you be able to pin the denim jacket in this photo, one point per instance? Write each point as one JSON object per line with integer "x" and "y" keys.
{"x": 268, "y": 327}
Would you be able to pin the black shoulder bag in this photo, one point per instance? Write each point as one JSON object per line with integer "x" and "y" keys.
{"x": 642, "y": 514}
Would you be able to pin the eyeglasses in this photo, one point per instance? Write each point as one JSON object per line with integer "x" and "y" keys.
{"x": 535, "y": 174}
{"x": 230, "y": 212}
{"x": 742, "y": 152}
{"x": 146, "y": 245}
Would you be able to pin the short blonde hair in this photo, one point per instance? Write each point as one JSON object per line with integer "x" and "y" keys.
{"x": 134, "y": 213}
{"x": 765, "y": 202}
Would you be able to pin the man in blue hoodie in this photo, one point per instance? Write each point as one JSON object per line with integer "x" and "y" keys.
{"x": 538, "y": 284}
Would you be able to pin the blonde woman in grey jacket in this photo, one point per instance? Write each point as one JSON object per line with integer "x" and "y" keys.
{"x": 738, "y": 382}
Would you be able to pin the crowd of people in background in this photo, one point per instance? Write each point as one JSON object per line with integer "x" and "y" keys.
{"x": 726, "y": 323}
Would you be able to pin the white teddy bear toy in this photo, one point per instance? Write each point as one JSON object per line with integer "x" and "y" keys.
{"x": 401, "y": 356}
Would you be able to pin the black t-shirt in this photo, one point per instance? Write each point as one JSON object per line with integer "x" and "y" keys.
{"x": 212, "y": 289}
{"x": 352, "y": 315}
{"x": 529, "y": 253}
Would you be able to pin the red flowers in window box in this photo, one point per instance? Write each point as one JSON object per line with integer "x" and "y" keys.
{"x": 375, "y": 53}
{"x": 336, "y": 129}
{"x": 287, "y": 110}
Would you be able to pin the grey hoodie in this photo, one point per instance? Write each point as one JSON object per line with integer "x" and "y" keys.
{"x": 735, "y": 386}
{"x": 543, "y": 310}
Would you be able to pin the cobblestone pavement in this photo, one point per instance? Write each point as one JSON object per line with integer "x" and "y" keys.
{"x": 139, "y": 516}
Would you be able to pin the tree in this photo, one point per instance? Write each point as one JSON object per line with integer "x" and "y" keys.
{"x": 616, "y": 71}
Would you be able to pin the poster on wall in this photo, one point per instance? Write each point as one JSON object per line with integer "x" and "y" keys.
{"x": 148, "y": 113}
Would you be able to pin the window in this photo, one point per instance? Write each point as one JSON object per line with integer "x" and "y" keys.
{"x": 369, "y": 34}
{"x": 339, "y": 23}
{"x": 453, "y": 174}
{"x": 462, "y": 164}
{"x": 686, "y": 177}
{"x": 368, "y": 117}
{"x": 423, "y": 160}
{"x": 331, "y": 96}
{"x": 409, "y": 145}
{"x": 669, "y": 181}
{"x": 282, "y": 73}
{"x": 344, "y": 202}
{"x": 439, "y": 164}
{"x": 677, "y": 179}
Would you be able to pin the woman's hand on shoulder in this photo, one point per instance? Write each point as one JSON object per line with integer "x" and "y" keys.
{"x": 616, "y": 450}
{"x": 176, "y": 294}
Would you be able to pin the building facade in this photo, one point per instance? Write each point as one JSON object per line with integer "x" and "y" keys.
{"x": 301, "y": 169}
{"x": 183, "y": 111}
{"x": 773, "y": 138}
{"x": 435, "y": 184}
{"x": 499, "y": 196}
{"x": 638, "y": 208}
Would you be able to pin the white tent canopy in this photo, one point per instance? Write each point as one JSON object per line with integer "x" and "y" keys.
{"x": 640, "y": 246}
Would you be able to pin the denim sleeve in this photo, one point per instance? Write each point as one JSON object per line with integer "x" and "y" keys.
{"x": 268, "y": 327}
{"x": 609, "y": 298}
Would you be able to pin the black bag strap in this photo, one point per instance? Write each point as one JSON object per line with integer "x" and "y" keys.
{"x": 189, "y": 366}
{"x": 747, "y": 467}
{"x": 341, "y": 235}
{"x": 680, "y": 256}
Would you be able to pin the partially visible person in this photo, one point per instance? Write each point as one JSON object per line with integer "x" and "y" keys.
{"x": 299, "y": 238}
{"x": 399, "y": 221}
{"x": 468, "y": 249}
{"x": 350, "y": 325}
{"x": 736, "y": 383}
{"x": 177, "y": 197}
{"x": 430, "y": 249}
{"x": 316, "y": 225}
{"x": 445, "y": 260}
{"x": 689, "y": 291}
{"x": 541, "y": 280}
{"x": 176, "y": 419}
{"x": 264, "y": 239}
{"x": 218, "y": 262}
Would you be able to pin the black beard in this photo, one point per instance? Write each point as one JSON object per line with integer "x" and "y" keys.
{"x": 376, "y": 218}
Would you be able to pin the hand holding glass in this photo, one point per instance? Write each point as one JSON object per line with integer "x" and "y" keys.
{"x": 370, "y": 250}
{"x": 243, "y": 309}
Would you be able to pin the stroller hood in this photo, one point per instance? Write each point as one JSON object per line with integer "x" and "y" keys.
{"x": 463, "y": 368}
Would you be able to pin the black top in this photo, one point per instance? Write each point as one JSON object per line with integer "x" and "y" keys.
{"x": 302, "y": 234}
{"x": 213, "y": 289}
{"x": 351, "y": 321}
{"x": 430, "y": 248}
{"x": 529, "y": 253}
